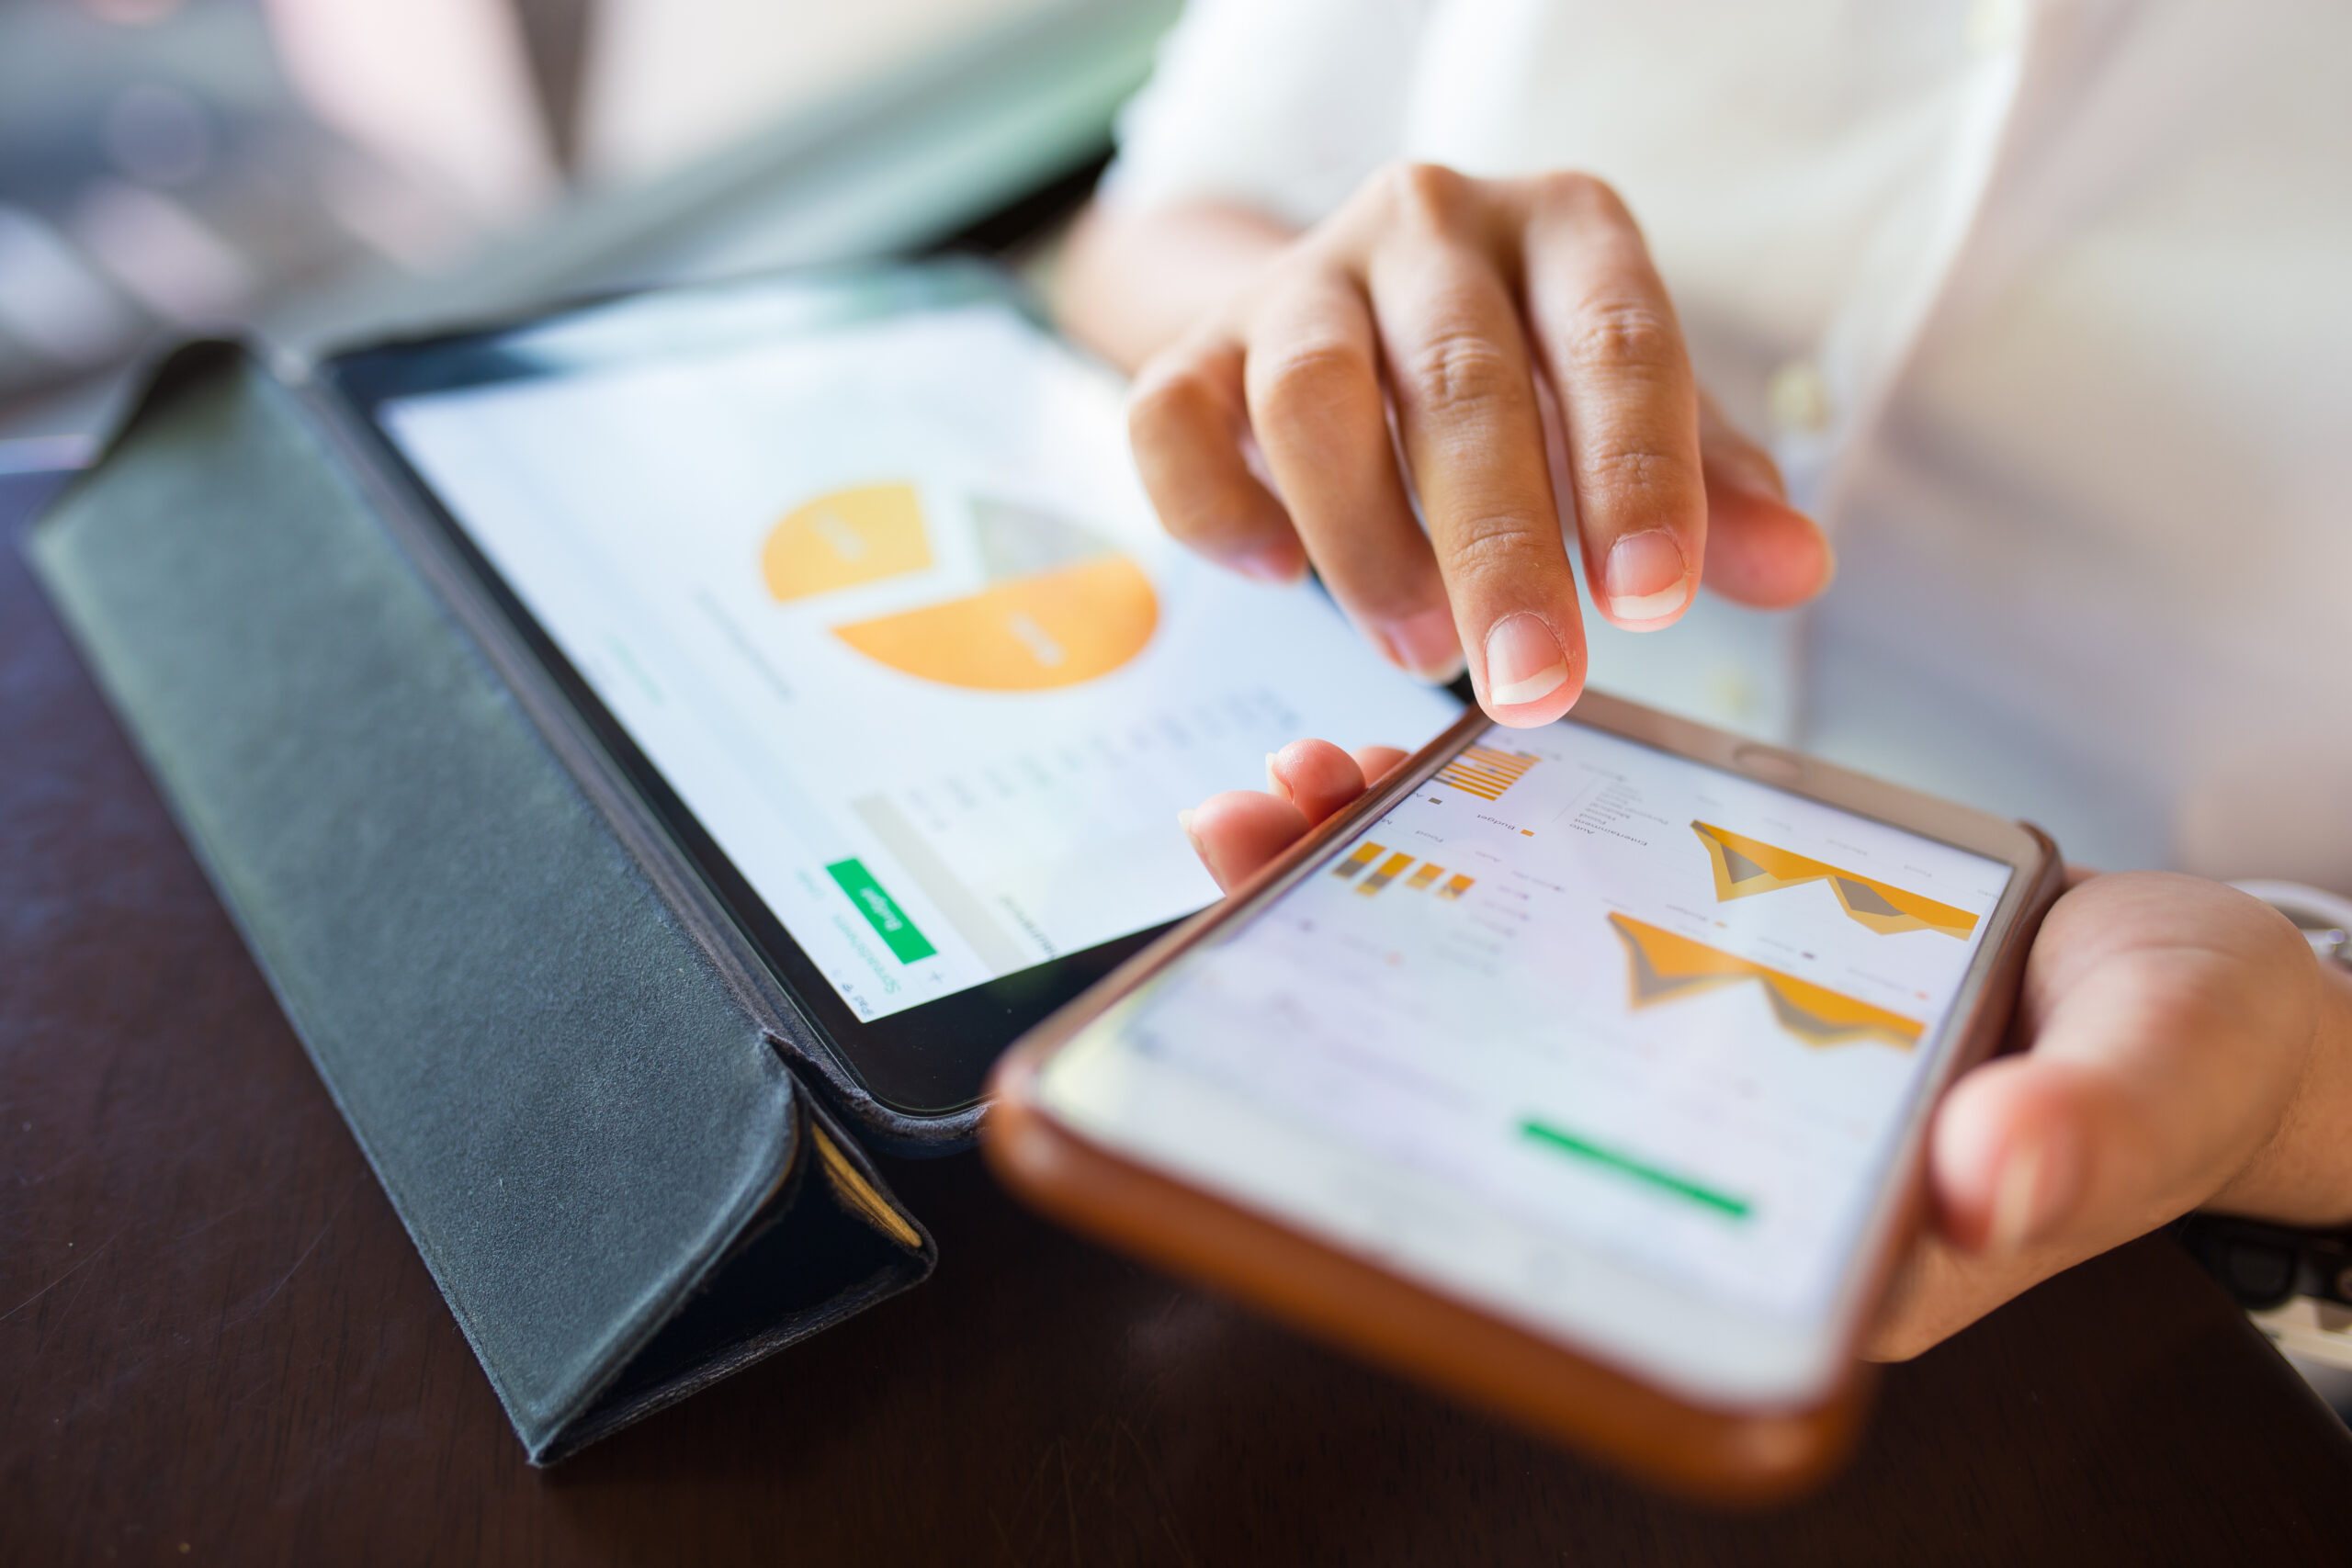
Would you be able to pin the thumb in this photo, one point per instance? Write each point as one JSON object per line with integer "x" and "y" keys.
{"x": 2149, "y": 1086}
{"x": 2169, "y": 1022}
{"x": 2015, "y": 1150}
{"x": 2037, "y": 1162}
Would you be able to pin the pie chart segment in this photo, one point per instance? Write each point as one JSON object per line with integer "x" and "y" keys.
{"x": 846, "y": 538}
{"x": 1058, "y": 627}
{"x": 1021, "y": 541}
{"x": 1058, "y": 604}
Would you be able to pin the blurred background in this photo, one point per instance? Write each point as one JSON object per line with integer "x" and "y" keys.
{"x": 320, "y": 170}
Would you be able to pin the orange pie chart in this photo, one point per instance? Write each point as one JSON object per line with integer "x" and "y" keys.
{"x": 1061, "y": 605}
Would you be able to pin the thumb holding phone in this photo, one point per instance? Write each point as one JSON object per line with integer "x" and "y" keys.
{"x": 2182, "y": 1050}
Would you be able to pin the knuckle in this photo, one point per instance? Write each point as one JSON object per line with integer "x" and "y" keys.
{"x": 1429, "y": 197}
{"x": 1621, "y": 334}
{"x": 1635, "y": 467}
{"x": 1582, "y": 194}
{"x": 1460, "y": 374}
{"x": 1313, "y": 379}
{"x": 1490, "y": 542}
{"x": 1171, "y": 403}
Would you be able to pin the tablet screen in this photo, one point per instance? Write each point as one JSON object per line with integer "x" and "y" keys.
{"x": 885, "y": 604}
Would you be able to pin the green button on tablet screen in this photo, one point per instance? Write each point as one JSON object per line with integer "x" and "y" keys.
{"x": 881, "y": 911}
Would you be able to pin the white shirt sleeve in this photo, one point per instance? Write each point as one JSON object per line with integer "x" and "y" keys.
{"x": 1284, "y": 106}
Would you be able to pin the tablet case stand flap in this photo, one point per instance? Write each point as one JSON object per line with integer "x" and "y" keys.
{"x": 575, "y": 1102}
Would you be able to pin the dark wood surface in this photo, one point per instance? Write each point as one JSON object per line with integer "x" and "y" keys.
{"x": 217, "y": 1345}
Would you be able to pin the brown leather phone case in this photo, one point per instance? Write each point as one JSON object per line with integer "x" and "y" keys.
{"x": 1719, "y": 1455}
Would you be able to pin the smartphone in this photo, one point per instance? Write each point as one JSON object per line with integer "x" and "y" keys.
{"x": 1581, "y": 1071}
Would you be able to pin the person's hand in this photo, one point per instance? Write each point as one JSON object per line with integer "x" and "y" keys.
{"x": 1518, "y": 334}
{"x": 2181, "y": 1049}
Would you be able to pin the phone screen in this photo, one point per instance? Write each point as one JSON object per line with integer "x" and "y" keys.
{"x": 1608, "y": 1040}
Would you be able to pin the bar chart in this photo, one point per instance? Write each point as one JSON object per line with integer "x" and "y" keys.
{"x": 1486, "y": 771}
{"x": 1386, "y": 865}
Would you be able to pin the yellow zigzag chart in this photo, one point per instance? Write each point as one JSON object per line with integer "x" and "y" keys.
{"x": 1662, "y": 966}
{"x": 1744, "y": 865}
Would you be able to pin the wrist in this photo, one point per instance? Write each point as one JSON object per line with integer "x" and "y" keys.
{"x": 2303, "y": 1175}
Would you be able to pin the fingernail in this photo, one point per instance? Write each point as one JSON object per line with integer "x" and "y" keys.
{"x": 1646, "y": 576}
{"x": 1426, "y": 644}
{"x": 1184, "y": 820}
{"x": 1274, "y": 785}
{"x": 1278, "y": 564}
{"x": 2035, "y": 1188}
{"x": 1523, "y": 661}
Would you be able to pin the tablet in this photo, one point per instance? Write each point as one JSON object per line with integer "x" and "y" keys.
{"x": 855, "y": 580}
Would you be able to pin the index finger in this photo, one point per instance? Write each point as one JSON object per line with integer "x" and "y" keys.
{"x": 1466, "y": 409}
{"x": 1614, "y": 354}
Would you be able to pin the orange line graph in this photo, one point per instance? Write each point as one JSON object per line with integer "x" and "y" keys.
{"x": 1744, "y": 866}
{"x": 1663, "y": 967}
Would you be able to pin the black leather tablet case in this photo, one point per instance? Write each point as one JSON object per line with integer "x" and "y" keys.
{"x": 586, "y": 1098}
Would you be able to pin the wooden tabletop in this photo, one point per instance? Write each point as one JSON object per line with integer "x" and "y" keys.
{"x": 216, "y": 1344}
